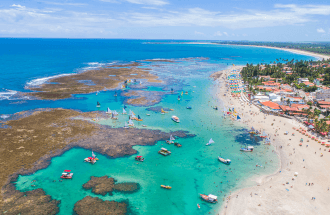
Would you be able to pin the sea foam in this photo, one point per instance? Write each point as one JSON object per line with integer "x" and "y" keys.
{"x": 40, "y": 81}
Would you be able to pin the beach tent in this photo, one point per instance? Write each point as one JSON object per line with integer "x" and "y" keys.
{"x": 311, "y": 126}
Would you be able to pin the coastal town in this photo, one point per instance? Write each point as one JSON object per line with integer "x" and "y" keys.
{"x": 295, "y": 121}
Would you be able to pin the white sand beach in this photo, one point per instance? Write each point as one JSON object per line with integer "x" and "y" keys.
{"x": 278, "y": 193}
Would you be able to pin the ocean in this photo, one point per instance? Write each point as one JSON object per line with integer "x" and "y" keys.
{"x": 191, "y": 169}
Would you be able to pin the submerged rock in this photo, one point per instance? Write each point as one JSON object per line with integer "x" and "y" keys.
{"x": 103, "y": 185}
{"x": 90, "y": 205}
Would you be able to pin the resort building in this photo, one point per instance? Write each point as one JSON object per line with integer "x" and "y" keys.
{"x": 323, "y": 95}
{"x": 302, "y": 80}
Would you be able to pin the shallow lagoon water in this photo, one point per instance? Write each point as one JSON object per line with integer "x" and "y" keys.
{"x": 190, "y": 170}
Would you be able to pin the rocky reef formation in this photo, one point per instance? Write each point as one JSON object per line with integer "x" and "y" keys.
{"x": 103, "y": 185}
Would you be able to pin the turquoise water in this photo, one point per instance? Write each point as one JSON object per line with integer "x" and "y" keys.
{"x": 190, "y": 170}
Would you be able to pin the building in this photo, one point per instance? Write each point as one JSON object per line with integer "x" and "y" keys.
{"x": 302, "y": 80}
{"x": 271, "y": 105}
{"x": 323, "y": 95}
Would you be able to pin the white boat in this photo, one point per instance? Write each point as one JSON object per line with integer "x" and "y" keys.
{"x": 164, "y": 152}
{"x": 225, "y": 161}
{"x": 175, "y": 119}
{"x": 210, "y": 142}
{"x": 171, "y": 140}
{"x": 115, "y": 113}
{"x": 109, "y": 111}
{"x": 210, "y": 198}
{"x": 113, "y": 116}
{"x": 124, "y": 111}
{"x": 130, "y": 123}
{"x": 247, "y": 149}
{"x": 126, "y": 126}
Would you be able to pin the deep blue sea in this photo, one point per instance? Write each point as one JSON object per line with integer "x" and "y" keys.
{"x": 190, "y": 170}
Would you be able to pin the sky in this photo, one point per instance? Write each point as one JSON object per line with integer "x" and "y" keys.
{"x": 254, "y": 20}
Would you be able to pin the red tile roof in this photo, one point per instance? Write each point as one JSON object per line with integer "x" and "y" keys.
{"x": 272, "y": 105}
{"x": 323, "y": 103}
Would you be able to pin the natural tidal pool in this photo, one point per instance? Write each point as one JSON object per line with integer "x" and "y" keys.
{"x": 191, "y": 170}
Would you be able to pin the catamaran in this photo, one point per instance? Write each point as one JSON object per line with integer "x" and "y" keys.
{"x": 98, "y": 104}
{"x": 210, "y": 142}
{"x": 67, "y": 174}
{"x": 115, "y": 113}
{"x": 130, "y": 123}
{"x": 175, "y": 119}
{"x": 109, "y": 111}
{"x": 247, "y": 149}
{"x": 92, "y": 159}
{"x": 139, "y": 158}
{"x": 164, "y": 152}
{"x": 124, "y": 111}
{"x": 171, "y": 140}
{"x": 225, "y": 161}
{"x": 210, "y": 198}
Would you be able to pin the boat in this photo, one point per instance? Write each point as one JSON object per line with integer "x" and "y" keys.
{"x": 175, "y": 119}
{"x": 188, "y": 107}
{"x": 109, "y": 111}
{"x": 162, "y": 111}
{"x": 115, "y": 113}
{"x": 139, "y": 158}
{"x": 148, "y": 114}
{"x": 267, "y": 141}
{"x": 199, "y": 207}
{"x": 139, "y": 118}
{"x": 144, "y": 126}
{"x": 186, "y": 93}
{"x": 225, "y": 161}
{"x": 130, "y": 123}
{"x": 114, "y": 116}
{"x": 178, "y": 98}
{"x": 215, "y": 108}
{"x": 67, "y": 174}
{"x": 210, "y": 198}
{"x": 172, "y": 91}
{"x": 164, "y": 152}
{"x": 126, "y": 126}
{"x": 171, "y": 140}
{"x": 140, "y": 82}
{"x": 177, "y": 144}
{"x": 247, "y": 149}
{"x": 116, "y": 94}
{"x": 210, "y": 142}
{"x": 264, "y": 135}
{"x": 166, "y": 187}
{"x": 92, "y": 159}
{"x": 123, "y": 86}
{"x": 98, "y": 104}
{"x": 124, "y": 111}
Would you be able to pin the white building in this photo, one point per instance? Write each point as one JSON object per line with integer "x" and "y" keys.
{"x": 274, "y": 97}
{"x": 261, "y": 97}
{"x": 302, "y": 80}
{"x": 323, "y": 95}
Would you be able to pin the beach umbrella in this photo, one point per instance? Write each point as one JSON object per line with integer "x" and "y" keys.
{"x": 311, "y": 126}
{"x": 313, "y": 137}
{"x": 323, "y": 143}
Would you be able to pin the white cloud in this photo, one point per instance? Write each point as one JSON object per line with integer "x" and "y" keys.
{"x": 218, "y": 33}
{"x": 320, "y": 30}
{"x": 225, "y": 33}
{"x": 18, "y": 6}
{"x": 64, "y": 3}
{"x": 199, "y": 33}
{"x": 146, "y": 2}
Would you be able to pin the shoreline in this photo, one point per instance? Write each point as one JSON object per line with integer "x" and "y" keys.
{"x": 296, "y": 51}
{"x": 269, "y": 193}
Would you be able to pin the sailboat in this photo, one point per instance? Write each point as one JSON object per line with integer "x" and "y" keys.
{"x": 171, "y": 140}
{"x": 124, "y": 111}
{"x": 116, "y": 94}
{"x": 122, "y": 86}
{"x": 186, "y": 93}
{"x": 98, "y": 104}
{"x": 115, "y": 113}
{"x": 92, "y": 159}
{"x": 210, "y": 142}
{"x": 178, "y": 98}
{"x": 113, "y": 116}
{"x": 130, "y": 123}
{"x": 162, "y": 111}
{"x": 140, "y": 82}
{"x": 109, "y": 111}
{"x": 172, "y": 91}
{"x": 126, "y": 126}
{"x": 139, "y": 118}
{"x": 264, "y": 135}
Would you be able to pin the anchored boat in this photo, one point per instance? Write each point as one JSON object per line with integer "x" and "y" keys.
{"x": 166, "y": 187}
{"x": 98, "y": 104}
{"x": 130, "y": 123}
{"x": 171, "y": 140}
{"x": 109, "y": 111}
{"x": 175, "y": 119}
{"x": 210, "y": 142}
{"x": 210, "y": 198}
{"x": 164, "y": 152}
{"x": 67, "y": 174}
{"x": 139, "y": 158}
{"x": 126, "y": 126}
{"x": 247, "y": 149}
{"x": 225, "y": 161}
{"x": 124, "y": 111}
{"x": 139, "y": 118}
